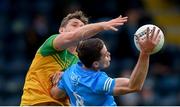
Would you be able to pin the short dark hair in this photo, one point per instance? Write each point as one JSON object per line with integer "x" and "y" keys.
{"x": 89, "y": 50}
{"x": 78, "y": 15}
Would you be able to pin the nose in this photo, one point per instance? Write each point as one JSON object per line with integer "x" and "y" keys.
{"x": 109, "y": 53}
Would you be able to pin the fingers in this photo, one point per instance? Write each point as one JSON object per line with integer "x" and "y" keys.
{"x": 56, "y": 77}
{"x": 138, "y": 39}
{"x": 113, "y": 28}
{"x": 120, "y": 16}
{"x": 158, "y": 40}
{"x": 147, "y": 33}
{"x": 115, "y": 25}
{"x": 152, "y": 34}
{"x": 118, "y": 24}
{"x": 110, "y": 25}
{"x": 156, "y": 35}
{"x": 120, "y": 19}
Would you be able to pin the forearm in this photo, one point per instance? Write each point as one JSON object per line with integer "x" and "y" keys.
{"x": 88, "y": 31}
{"x": 139, "y": 73}
{"x": 69, "y": 39}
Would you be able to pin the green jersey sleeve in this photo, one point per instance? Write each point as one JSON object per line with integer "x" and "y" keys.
{"x": 47, "y": 47}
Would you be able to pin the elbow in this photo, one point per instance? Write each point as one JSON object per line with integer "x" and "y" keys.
{"x": 57, "y": 94}
{"x": 53, "y": 94}
{"x": 125, "y": 90}
{"x": 135, "y": 88}
{"x": 138, "y": 89}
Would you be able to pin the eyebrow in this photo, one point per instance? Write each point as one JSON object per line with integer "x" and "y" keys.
{"x": 76, "y": 22}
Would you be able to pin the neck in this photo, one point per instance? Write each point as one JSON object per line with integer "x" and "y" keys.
{"x": 92, "y": 68}
{"x": 72, "y": 49}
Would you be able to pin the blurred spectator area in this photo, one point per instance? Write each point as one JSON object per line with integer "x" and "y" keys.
{"x": 26, "y": 24}
{"x": 166, "y": 15}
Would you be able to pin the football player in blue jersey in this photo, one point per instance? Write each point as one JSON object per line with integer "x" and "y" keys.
{"x": 87, "y": 85}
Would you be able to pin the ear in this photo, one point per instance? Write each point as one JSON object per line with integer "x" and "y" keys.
{"x": 61, "y": 29}
{"x": 95, "y": 64}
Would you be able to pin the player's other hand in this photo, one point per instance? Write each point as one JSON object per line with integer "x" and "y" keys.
{"x": 56, "y": 77}
{"x": 149, "y": 42}
{"x": 112, "y": 24}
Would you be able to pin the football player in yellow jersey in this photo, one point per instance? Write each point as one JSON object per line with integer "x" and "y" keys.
{"x": 56, "y": 54}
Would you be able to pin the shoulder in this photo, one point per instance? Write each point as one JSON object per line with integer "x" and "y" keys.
{"x": 104, "y": 83}
{"x": 47, "y": 47}
{"x": 102, "y": 74}
{"x": 52, "y": 37}
{"x": 70, "y": 69}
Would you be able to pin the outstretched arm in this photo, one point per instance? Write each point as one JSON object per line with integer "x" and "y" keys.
{"x": 68, "y": 39}
{"x": 137, "y": 78}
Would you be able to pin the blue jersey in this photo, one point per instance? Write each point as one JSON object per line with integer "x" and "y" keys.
{"x": 87, "y": 87}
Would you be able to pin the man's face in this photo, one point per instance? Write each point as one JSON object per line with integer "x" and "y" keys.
{"x": 104, "y": 61}
{"x": 72, "y": 25}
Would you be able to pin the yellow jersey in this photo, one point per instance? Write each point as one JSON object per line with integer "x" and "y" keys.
{"x": 47, "y": 61}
